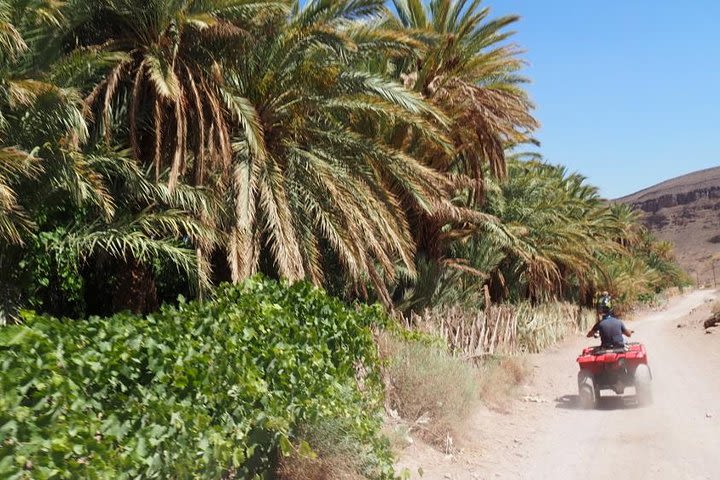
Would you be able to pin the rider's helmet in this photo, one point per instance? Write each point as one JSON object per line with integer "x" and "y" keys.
{"x": 604, "y": 304}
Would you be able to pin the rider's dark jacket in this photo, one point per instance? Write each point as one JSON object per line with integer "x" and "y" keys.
{"x": 611, "y": 332}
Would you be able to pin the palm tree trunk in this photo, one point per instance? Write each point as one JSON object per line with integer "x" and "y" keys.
{"x": 135, "y": 290}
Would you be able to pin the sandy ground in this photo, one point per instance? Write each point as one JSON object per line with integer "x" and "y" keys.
{"x": 543, "y": 435}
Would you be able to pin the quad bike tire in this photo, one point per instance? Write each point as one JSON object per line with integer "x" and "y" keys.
{"x": 587, "y": 393}
{"x": 643, "y": 381}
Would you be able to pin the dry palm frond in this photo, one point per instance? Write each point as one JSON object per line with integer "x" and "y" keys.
{"x": 11, "y": 41}
{"x": 172, "y": 57}
{"x": 15, "y": 165}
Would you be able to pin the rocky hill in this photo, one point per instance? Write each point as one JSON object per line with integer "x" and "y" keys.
{"x": 686, "y": 211}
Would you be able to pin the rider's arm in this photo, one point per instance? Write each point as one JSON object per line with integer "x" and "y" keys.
{"x": 626, "y": 332}
{"x": 592, "y": 331}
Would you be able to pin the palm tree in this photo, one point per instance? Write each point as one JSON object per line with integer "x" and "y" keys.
{"x": 470, "y": 71}
{"x": 11, "y": 41}
{"x": 641, "y": 267}
{"x": 67, "y": 199}
{"x": 78, "y": 244}
{"x": 39, "y": 120}
{"x": 554, "y": 215}
{"x": 324, "y": 177}
{"x": 272, "y": 112}
{"x": 552, "y": 235}
{"x": 150, "y": 222}
{"x": 164, "y": 67}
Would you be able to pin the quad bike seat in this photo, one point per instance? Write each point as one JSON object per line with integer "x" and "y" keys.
{"x": 604, "y": 350}
{"x": 599, "y": 350}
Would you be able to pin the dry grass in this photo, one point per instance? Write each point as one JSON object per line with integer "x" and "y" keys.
{"x": 716, "y": 307}
{"x": 336, "y": 455}
{"x": 434, "y": 391}
{"x": 499, "y": 379}
{"x": 296, "y": 467}
{"x": 430, "y": 389}
{"x": 397, "y": 433}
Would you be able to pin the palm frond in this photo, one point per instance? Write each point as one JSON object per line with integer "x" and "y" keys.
{"x": 124, "y": 242}
{"x": 243, "y": 111}
{"x": 390, "y": 91}
{"x": 162, "y": 76}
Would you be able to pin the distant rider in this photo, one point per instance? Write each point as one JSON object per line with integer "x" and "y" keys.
{"x": 611, "y": 329}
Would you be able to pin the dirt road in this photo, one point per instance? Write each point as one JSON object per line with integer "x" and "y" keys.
{"x": 548, "y": 437}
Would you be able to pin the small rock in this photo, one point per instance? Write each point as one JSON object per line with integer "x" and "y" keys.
{"x": 534, "y": 399}
{"x": 680, "y": 325}
{"x": 708, "y": 332}
{"x": 708, "y": 415}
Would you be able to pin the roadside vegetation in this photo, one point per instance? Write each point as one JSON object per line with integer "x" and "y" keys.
{"x": 156, "y": 156}
{"x": 219, "y": 389}
{"x": 430, "y": 389}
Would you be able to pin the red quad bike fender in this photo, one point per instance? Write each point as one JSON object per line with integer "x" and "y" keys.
{"x": 596, "y": 360}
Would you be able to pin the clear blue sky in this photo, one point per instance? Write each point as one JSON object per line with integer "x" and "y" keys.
{"x": 627, "y": 91}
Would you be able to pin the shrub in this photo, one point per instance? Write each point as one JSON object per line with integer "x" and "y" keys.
{"x": 200, "y": 390}
{"x": 429, "y": 387}
{"x": 337, "y": 454}
{"x": 499, "y": 378}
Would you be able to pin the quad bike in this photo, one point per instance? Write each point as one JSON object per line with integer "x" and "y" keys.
{"x": 614, "y": 369}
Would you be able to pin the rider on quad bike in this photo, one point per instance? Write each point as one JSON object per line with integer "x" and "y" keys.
{"x": 613, "y": 365}
{"x": 611, "y": 329}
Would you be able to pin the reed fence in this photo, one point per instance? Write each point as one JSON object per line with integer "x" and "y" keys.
{"x": 502, "y": 329}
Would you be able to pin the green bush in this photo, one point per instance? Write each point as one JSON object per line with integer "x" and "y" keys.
{"x": 194, "y": 391}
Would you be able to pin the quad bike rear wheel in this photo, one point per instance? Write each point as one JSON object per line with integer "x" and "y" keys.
{"x": 586, "y": 390}
{"x": 643, "y": 379}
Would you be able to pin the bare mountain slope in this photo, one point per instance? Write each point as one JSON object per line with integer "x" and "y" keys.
{"x": 686, "y": 211}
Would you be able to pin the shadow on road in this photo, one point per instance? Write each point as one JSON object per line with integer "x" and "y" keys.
{"x": 613, "y": 402}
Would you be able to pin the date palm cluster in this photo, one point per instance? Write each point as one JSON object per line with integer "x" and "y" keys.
{"x": 155, "y": 147}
